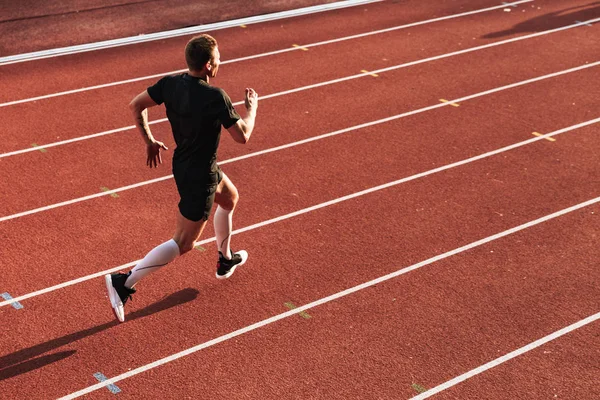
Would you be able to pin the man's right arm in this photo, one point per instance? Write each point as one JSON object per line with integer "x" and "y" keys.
{"x": 242, "y": 129}
{"x": 139, "y": 108}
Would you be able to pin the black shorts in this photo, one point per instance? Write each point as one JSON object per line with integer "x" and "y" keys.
{"x": 196, "y": 192}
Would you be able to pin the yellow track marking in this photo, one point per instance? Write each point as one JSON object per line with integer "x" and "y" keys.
{"x": 43, "y": 150}
{"x": 303, "y": 314}
{"x": 105, "y": 189}
{"x": 364, "y": 71}
{"x": 449, "y": 102}
{"x": 300, "y": 47}
{"x": 547, "y": 138}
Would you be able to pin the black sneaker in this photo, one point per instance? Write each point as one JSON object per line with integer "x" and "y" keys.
{"x": 118, "y": 293}
{"x": 225, "y": 267}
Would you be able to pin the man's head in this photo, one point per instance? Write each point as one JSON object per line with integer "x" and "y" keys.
{"x": 202, "y": 55}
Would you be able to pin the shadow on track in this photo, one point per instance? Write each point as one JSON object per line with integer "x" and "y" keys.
{"x": 23, "y": 361}
{"x": 552, "y": 20}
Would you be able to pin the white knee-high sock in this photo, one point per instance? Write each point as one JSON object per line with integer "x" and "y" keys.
{"x": 158, "y": 257}
{"x": 223, "y": 222}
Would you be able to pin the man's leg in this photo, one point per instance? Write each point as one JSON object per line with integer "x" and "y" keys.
{"x": 120, "y": 286}
{"x": 186, "y": 234}
{"x": 226, "y": 198}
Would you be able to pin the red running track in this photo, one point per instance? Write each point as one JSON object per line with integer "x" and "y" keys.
{"x": 52, "y": 24}
{"x": 391, "y": 340}
{"x": 347, "y": 108}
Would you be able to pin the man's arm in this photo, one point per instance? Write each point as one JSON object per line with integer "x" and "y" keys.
{"x": 242, "y": 129}
{"x": 139, "y": 108}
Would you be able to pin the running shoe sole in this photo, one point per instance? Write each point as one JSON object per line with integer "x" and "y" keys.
{"x": 115, "y": 301}
{"x": 244, "y": 255}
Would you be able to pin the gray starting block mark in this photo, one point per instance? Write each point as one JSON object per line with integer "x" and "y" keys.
{"x": 112, "y": 387}
{"x": 15, "y": 304}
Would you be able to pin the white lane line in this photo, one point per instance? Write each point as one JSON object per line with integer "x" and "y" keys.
{"x": 38, "y": 55}
{"x": 85, "y": 198}
{"x": 316, "y": 207}
{"x": 308, "y": 87}
{"x": 336, "y": 296}
{"x": 270, "y": 53}
{"x": 507, "y": 357}
{"x": 300, "y": 142}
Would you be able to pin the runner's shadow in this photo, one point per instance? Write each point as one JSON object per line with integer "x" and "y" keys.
{"x": 552, "y": 20}
{"x": 23, "y": 361}
{"x": 30, "y": 365}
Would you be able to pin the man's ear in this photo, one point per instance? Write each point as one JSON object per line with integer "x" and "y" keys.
{"x": 208, "y": 66}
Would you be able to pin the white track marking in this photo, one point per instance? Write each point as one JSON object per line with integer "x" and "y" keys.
{"x": 308, "y": 87}
{"x": 300, "y": 142}
{"x": 338, "y": 295}
{"x": 507, "y": 357}
{"x": 270, "y": 53}
{"x": 316, "y": 207}
{"x": 84, "y": 198}
{"x": 38, "y": 55}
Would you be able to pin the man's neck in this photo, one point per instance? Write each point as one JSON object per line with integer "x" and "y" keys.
{"x": 199, "y": 75}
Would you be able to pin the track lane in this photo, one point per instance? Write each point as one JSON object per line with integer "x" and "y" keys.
{"x": 116, "y": 214}
{"x": 329, "y": 234}
{"x": 123, "y": 151}
{"x": 90, "y": 24}
{"x": 445, "y": 317}
{"x": 301, "y": 46}
{"x": 81, "y": 115}
{"x": 108, "y": 248}
{"x": 563, "y": 368}
{"x": 430, "y": 136}
{"x": 103, "y": 66}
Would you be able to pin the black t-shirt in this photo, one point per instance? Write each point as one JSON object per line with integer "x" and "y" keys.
{"x": 196, "y": 112}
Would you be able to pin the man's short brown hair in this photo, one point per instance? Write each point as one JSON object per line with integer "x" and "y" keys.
{"x": 199, "y": 51}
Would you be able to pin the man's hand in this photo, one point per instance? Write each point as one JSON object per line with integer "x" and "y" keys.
{"x": 153, "y": 150}
{"x": 251, "y": 99}
{"x": 242, "y": 129}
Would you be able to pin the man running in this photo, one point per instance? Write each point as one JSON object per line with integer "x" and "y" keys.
{"x": 196, "y": 112}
